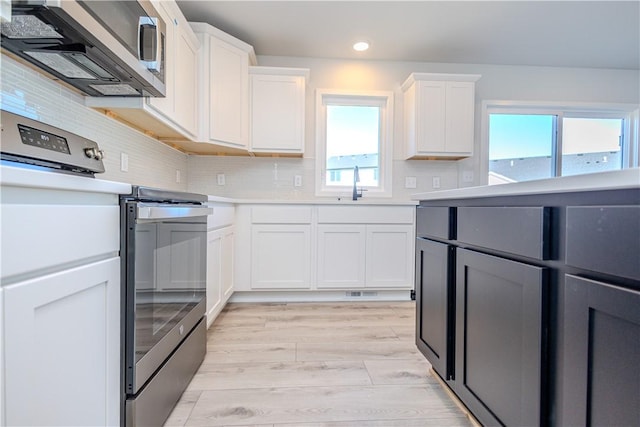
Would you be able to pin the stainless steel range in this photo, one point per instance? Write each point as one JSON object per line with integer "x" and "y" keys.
{"x": 163, "y": 253}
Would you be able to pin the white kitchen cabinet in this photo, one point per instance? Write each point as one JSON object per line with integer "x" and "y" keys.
{"x": 280, "y": 256}
{"x": 62, "y": 336}
{"x": 389, "y": 256}
{"x": 277, "y": 109}
{"x": 60, "y": 299}
{"x": 439, "y": 115}
{"x": 175, "y": 116}
{"x": 220, "y": 258}
{"x": 224, "y": 84}
{"x": 341, "y": 256}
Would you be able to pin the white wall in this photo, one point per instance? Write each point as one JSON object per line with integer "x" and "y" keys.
{"x": 25, "y": 91}
{"x": 257, "y": 177}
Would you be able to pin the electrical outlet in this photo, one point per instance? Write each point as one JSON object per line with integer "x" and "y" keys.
{"x": 124, "y": 162}
{"x": 435, "y": 181}
{"x": 297, "y": 181}
{"x": 467, "y": 176}
{"x": 221, "y": 179}
{"x": 410, "y": 182}
{"x": 177, "y": 175}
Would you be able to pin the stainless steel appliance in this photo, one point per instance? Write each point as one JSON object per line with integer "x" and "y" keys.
{"x": 31, "y": 143}
{"x": 163, "y": 253}
{"x": 103, "y": 48}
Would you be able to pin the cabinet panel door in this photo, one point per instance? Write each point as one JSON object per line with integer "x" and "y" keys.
{"x": 341, "y": 256}
{"x": 433, "y": 322}
{"x": 431, "y": 117}
{"x": 280, "y": 256}
{"x": 229, "y": 94}
{"x": 186, "y": 89}
{"x": 459, "y": 117}
{"x": 389, "y": 256}
{"x": 277, "y": 113}
{"x": 499, "y": 338}
{"x": 62, "y": 348}
{"x": 601, "y": 373}
{"x": 227, "y": 262}
{"x": 214, "y": 274}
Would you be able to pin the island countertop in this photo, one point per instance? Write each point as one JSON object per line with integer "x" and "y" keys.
{"x": 623, "y": 179}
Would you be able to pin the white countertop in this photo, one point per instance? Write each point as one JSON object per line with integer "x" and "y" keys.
{"x": 22, "y": 177}
{"x": 326, "y": 201}
{"x": 628, "y": 178}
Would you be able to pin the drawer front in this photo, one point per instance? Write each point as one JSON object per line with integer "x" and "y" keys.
{"x": 223, "y": 215}
{"x": 54, "y": 235}
{"x": 517, "y": 230}
{"x": 365, "y": 214}
{"x": 281, "y": 215}
{"x": 604, "y": 239}
{"x": 435, "y": 221}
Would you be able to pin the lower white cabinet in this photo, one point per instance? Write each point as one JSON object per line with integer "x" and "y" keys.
{"x": 220, "y": 247}
{"x": 390, "y": 256}
{"x": 62, "y": 347}
{"x": 280, "y": 256}
{"x": 365, "y": 256}
{"x": 341, "y": 256}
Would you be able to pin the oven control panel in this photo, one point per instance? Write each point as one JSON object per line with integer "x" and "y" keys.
{"x": 29, "y": 141}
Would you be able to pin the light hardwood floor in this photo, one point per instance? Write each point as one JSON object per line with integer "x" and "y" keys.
{"x": 315, "y": 364}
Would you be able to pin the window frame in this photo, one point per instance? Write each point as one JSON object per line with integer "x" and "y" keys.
{"x": 381, "y": 99}
{"x": 630, "y": 113}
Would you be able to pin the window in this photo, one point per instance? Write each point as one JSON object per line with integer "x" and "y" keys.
{"x": 527, "y": 143}
{"x": 353, "y": 129}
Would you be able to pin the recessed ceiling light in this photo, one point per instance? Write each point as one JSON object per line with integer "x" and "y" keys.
{"x": 361, "y": 46}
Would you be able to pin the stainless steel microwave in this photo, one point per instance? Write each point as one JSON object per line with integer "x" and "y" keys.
{"x": 102, "y": 48}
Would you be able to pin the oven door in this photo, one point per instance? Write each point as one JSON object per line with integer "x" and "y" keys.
{"x": 165, "y": 274}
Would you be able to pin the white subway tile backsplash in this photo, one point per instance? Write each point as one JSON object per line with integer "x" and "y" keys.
{"x": 28, "y": 92}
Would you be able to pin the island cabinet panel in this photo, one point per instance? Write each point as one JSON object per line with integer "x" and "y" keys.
{"x": 435, "y": 221}
{"x": 602, "y": 354}
{"x": 518, "y": 230}
{"x": 499, "y": 327}
{"x": 434, "y": 296}
{"x": 604, "y": 238}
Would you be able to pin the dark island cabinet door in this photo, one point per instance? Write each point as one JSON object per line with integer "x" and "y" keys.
{"x": 601, "y": 375}
{"x": 432, "y": 297}
{"x": 499, "y": 324}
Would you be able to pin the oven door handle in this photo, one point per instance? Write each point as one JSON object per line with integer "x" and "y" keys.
{"x": 168, "y": 212}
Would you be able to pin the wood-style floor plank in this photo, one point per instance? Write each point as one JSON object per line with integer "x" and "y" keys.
{"x": 315, "y": 365}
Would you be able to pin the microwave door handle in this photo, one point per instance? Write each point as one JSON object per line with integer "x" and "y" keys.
{"x": 172, "y": 212}
{"x": 148, "y": 46}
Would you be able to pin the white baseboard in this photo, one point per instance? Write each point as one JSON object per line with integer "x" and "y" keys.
{"x": 321, "y": 296}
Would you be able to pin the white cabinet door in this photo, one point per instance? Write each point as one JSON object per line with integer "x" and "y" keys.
{"x": 228, "y": 94}
{"x": 459, "y": 117}
{"x": 439, "y": 115}
{"x": 280, "y": 256}
{"x": 276, "y": 111}
{"x": 180, "y": 269}
{"x": 214, "y": 276}
{"x": 62, "y": 348}
{"x": 186, "y": 83}
{"x": 341, "y": 256}
{"x": 227, "y": 262}
{"x": 390, "y": 253}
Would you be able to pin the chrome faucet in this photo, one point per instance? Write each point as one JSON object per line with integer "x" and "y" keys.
{"x": 356, "y": 179}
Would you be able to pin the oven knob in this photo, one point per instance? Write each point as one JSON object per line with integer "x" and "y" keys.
{"x": 99, "y": 154}
{"x": 90, "y": 152}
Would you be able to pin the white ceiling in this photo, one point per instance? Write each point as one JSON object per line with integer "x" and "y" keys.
{"x": 592, "y": 34}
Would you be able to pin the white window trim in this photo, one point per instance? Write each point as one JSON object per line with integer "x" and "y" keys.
{"x": 629, "y": 112}
{"x": 383, "y": 99}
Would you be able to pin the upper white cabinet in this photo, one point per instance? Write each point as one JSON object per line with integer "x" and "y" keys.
{"x": 439, "y": 115}
{"x": 277, "y": 113}
{"x": 175, "y": 116}
{"x": 223, "y": 81}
